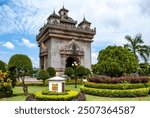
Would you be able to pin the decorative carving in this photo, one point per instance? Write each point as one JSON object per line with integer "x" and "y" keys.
{"x": 72, "y": 48}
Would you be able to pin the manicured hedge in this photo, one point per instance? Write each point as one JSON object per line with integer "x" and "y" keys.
{"x": 109, "y": 80}
{"x": 116, "y": 93}
{"x": 116, "y": 86}
{"x": 71, "y": 95}
{"x": 31, "y": 84}
{"x": 70, "y": 82}
{"x": 7, "y": 93}
{"x": 45, "y": 92}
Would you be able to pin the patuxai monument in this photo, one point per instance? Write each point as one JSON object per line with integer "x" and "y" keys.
{"x": 63, "y": 42}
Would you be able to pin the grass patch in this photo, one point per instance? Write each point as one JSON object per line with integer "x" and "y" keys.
{"x": 19, "y": 96}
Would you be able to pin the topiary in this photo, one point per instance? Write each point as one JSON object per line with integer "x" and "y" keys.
{"x": 69, "y": 71}
{"x": 51, "y": 71}
{"x": 21, "y": 65}
{"x": 2, "y": 66}
{"x": 80, "y": 71}
{"x": 43, "y": 75}
{"x": 87, "y": 71}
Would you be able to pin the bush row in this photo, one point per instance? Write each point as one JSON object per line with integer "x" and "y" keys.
{"x": 109, "y": 80}
{"x": 71, "y": 95}
{"x": 45, "y": 92}
{"x": 122, "y": 86}
{"x": 41, "y": 84}
{"x": 5, "y": 93}
{"x": 72, "y": 81}
{"x": 31, "y": 84}
{"x": 116, "y": 93}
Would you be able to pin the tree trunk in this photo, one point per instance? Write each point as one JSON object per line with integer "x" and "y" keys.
{"x": 76, "y": 79}
{"x": 25, "y": 88}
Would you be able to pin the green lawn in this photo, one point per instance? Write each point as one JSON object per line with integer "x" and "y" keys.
{"x": 18, "y": 95}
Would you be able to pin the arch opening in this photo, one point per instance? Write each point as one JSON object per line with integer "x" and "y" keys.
{"x": 70, "y": 62}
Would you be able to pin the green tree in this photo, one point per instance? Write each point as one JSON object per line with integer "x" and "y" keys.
{"x": 87, "y": 72}
{"x": 79, "y": 72}
{"x": 115, "y": 61}
{"x": 22, "y": 66}
{"x": 136, "y": 46}
{"x": 69, "y": 71}
{"x": 2, "y": 66}
{"x": 51, "y": 71}
{"x": 43, "y": 75}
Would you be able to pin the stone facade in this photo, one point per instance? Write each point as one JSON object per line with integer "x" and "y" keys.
{"x": 63, "y": 43}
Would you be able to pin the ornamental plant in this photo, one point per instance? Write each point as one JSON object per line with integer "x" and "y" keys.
{"x": 21, "y": 66}
{"x": 43, "y": 75}
{"x": 51, "y": 71}
{"x": 5, "y": 85}
{"x": 2, "y": 66}
{"x": 69, "y": 71}
{"x": 115, "y": 61}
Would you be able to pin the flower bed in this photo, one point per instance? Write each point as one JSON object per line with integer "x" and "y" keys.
{"x": 109, "y": 80}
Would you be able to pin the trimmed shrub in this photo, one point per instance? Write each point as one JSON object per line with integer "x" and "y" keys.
{"x": 88, "y": 72}
{"x": 80, "y": 71}
{"x": 115, "y": 61}
{"x": 70, "y": 96}
{"x": 51, "y": 71}
{"x": 45, "y": 92}
{"x": 116, "y": 93}
{"x": 6, "y": 93}
{"x": 2, "y": 66}
{"x": 71, "y": 81}
{"x": 123, "y": 86}
{"x": 43, "y": 75}
{"x": 69, "y": 71}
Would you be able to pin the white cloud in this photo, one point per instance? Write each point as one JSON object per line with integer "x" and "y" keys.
{"x": 9, "y": 45}
{"x": 27, "y": 43}
{"x": 35, "y": 61}
{"x": 94, "y": 58}
{"x": 113, "y": 19}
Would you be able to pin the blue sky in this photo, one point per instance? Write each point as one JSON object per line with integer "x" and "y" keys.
{"x": 20, "y": 21}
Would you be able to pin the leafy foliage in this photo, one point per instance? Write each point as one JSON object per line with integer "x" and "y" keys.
{"x": 116, "y": 93}
{"x": 80, "y": 71}
{"x": 2, "y": 66}
{"x": 43, "y": 75}
{"x": 22, "y": 66}
{"x": 51, "y": 71}
{"x": 5, "y": 82}
{"x": 136, "y": 46}
{"x": 109, "y": 80}
{"x": 70, "y": 96}
{"x": 87, "y": 71}
{"x": 144, "y": 69}
{"x": 120, "y": 86}
{"x": 69, "y": 71}
{"x": 115, "y": 61}
{"x": 5, "y": 85}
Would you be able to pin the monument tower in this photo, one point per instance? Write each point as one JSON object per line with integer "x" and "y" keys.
{"x": 63, "y": 43}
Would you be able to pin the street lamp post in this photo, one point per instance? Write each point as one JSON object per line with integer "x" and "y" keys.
{"x": 74, "y": 64}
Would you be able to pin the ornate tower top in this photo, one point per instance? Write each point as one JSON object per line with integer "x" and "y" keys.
{"x": 64, "y": 26}
{"x": 63, "y": 12}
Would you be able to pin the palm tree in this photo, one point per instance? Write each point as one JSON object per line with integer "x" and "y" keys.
{"x": 136, "y": 45}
